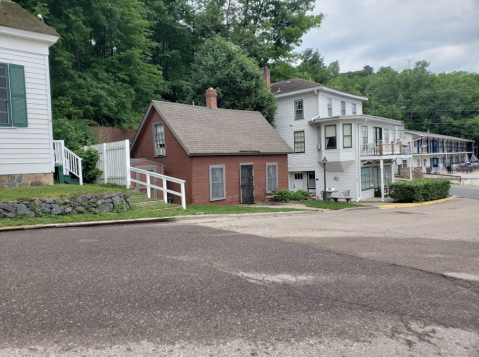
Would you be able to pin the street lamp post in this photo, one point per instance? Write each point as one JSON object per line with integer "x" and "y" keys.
{"x": 325, "y": 193}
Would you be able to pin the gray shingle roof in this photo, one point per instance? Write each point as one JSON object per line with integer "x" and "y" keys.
{"x": 292, "y": 85}
{"x": 13, "y": 15}
{"x": 298, "y": 84}
{"x": 206, "y": 131}
{"x": 433, "y": 135}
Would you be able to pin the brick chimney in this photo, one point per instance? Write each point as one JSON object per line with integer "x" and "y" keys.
{"x": 211, "y": 98}
{"x": 267, "y": 77}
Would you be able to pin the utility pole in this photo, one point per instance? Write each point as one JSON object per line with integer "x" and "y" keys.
{"x": 409, "y": 62}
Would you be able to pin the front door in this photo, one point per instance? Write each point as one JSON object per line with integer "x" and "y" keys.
{"x": 247, "y": 183}
{"x": 311, "y": 181}
{"x": 298, "y": 181}
{"x": 378, "y": 135}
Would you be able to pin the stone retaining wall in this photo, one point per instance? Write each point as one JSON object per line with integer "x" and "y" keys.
{"x": 105, "y": 202}
{"x": 23, "y": 180}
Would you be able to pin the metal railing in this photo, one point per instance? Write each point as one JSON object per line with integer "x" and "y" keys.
{"x": 147, "y": 183}
{"x": 70, "y": 161}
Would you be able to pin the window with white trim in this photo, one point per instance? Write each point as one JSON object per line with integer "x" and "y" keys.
{"x": 343, "y": 107}
{"x": 386, "y": 136}
{"x": 13, "y": 100}
{"x": 354, "y": 109}
{"x": 298, "y": 109}
{"x": 330, "y": 107}
{"x": 347, "y": 136}
{"x": 299, "y": 142}
{"x": 367, "y": 178}
{"x": 217, "y": 182}
{"x": 159, "y": 139}
{"x": 330, "y": 136}
{"x": 365, "y": 135}
{"x": 271, "y": 177}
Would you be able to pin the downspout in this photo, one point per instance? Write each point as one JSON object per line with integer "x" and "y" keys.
{"x": 319, "y": 110}
{"x": 359, "y": 159}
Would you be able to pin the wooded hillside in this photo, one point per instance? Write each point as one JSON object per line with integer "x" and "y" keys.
{"x": 114, "y": 56}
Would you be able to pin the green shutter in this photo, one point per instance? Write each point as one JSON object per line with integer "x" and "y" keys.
{"x": 18, "y": 98}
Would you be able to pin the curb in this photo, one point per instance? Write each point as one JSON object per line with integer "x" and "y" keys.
{"x": 88, "y": 224}
{"x": 154, "y": 220}
{"x": 405, "y": 205}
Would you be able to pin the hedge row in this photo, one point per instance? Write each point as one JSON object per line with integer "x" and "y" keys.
{"x": 420, "y": 190}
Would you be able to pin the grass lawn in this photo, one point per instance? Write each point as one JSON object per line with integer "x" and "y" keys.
{"x": 141, "y": 212}
{"x": 57, "y": 191}
{"x": 328, "y": 205}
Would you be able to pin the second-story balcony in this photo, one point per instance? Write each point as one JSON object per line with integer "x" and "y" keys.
{"x": 381, "y": 149}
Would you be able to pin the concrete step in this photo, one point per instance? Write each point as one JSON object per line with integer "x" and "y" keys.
{"x": 132, "y": 197}
{"x": 147, "y": 203}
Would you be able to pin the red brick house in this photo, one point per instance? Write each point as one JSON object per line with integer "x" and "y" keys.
{"x": 225, "y": 156}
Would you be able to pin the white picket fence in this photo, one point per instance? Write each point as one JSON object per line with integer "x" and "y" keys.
{"x": 163, "y": 188}
{"x": 114, "y": 162}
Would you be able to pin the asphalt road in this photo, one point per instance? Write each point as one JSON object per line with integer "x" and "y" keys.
{"x": 465, "y": 191}
{"x": 292, "y": 288}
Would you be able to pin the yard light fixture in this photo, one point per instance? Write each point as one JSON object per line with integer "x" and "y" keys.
{"x": 325, "y": 193}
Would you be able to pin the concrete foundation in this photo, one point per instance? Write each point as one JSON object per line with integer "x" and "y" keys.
{"x": 24, "y": 180}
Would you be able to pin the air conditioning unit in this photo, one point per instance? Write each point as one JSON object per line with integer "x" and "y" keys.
{"x": 160, "y": 152}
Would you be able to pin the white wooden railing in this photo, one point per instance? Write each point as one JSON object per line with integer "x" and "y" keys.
{"x": 147, "y": 183}
{"x": 70, "y": 161}
{"x": 384, "y": 149}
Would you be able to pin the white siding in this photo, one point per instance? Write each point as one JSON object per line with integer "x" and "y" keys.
{"x": 29, "y": 149}
{"x": 286, "y": 126}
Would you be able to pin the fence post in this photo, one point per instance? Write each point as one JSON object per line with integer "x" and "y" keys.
{"x": 148, "y": 193}
{"x": 127, "y": 163}
{"x": 380, "y": 147}
{"x": 392, "y": 147}
{"x": 183, "y": 196}
{"x": 80, "y": 171}
{"x": 105, "y": 167}
{"x": 165, "y": 194}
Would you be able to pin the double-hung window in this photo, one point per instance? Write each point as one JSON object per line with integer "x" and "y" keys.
{"x": 347, "y": 136}
{"x": 298, "y": 109}
{"x": 367, "y": 180}
{"x": 217, "y": 182}
{"x": 330, "y": 107}
{"x": 13, "y": 100}
{"x": 365, "y": 135}
{"x": 386, "y": 136}
{"x": 343, "y": 107}
{"x": 271, "y": 177}
{"x": 354, "y": 109}
{"x": 299, "y": 146}
{"x": 159, "y": 139}
{"x": 330, "y": 136}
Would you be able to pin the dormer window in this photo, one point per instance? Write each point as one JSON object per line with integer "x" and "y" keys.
{"x": 159, "y": 139}
{"x": 330, "y": 107}
{"x": 343, "y": 107}
{"x": 298, "y": 109}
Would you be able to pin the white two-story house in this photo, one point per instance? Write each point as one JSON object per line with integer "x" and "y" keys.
{"x": 321, "y": 122}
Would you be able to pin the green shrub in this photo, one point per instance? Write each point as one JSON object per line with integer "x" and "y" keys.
{"x": 283, "y": 195}
{"x": 300, "y": 195}
{"x": 89, "y": 159}
{"x": 420, "y": 190}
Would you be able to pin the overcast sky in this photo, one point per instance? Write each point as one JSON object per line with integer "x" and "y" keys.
{"x": 389, "y": 32}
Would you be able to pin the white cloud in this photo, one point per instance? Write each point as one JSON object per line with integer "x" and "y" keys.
{"x": 389, "y": 32}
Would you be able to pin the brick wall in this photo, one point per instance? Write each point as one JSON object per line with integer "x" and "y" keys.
{"x": 201, "y": 183}
{"x": 178, "y": 163}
